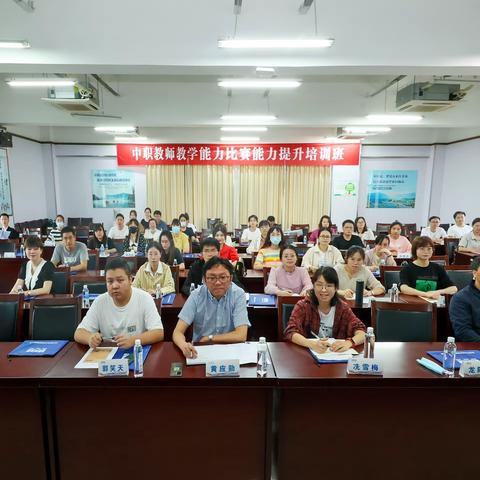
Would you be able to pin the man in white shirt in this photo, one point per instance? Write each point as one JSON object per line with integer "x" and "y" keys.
{"x": 470, "y": 243}
{"x": 122, "y": 314}
{"x": 119, "y": 231}
{"x": 434, "y": 230}
{"x": 459, "y": 229}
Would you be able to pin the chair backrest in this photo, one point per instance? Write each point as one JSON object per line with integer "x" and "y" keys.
{"x": 11, "y": 312}
{"x": 86, "y": 221}
{"x": 54, "y": 318}
{"x": 389, "y": 276}
{"x": 82, "y": 232}
{"x": 92, "y": 263}
{"x": 382, "y": 228}
{"x": 175, "y": 269}
{"x": 440, "y": 259}
{"x": 8, "y": 246}
{"x": 266, "y": 273}
{"x": 404, "y": 322}
{"x": 459, "y": 275}
{"x": 119, "y": 246}
{"x": 73, "y": 221}
{"x": 93, "y": 287}
{"x": 60, "y": 281}
{"x": 132, "y": 262}
{"x": 285, "y": 306}
{"x": 451, "y": 245}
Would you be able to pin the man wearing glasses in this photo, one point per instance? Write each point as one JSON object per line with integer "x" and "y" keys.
{"x": 217, "y": 310}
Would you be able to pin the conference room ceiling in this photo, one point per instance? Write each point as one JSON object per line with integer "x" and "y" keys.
{"x": 162, "y": 58}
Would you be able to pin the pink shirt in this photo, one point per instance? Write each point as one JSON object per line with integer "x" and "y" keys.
{"x": 296, "y": 281}
{"x": 401, "y": 244}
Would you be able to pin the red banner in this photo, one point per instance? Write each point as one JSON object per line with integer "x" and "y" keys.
{"x": 303, "y": 154}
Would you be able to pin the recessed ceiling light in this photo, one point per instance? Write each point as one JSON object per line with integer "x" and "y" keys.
{"x": 239, "y": 139}
{"x": 396, "y": 119}
{"x": 253, "y": 119}
{"x": 131, "y": 139}
{"x": 276, "y": 43}
{"x": 42, "y": 82}
{"x": 361, "y": 130}
{"x": 259, "y": 83}
{"x": 243, "y": 129}
{"x": 338, "y": 140}
{"x": 265, "y": 69}
{"x": 116, "y": 129}
{"x": 14, "y": 44}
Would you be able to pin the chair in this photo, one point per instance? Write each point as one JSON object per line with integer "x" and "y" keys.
{"x": 60, "y": 281}
{"x": 459, "y": 275}
{"x": 266, "y": 273}
{"x": 119, "y": 246}
{"x": 93, "y": 261}
{"x": 440, "y": 259}
{"x": 8, "y": 246}
{"x": 93, "y": 287}
{"x": 73, "y": 221}
{"x": 285, "y": 306}
{"x": 175, "y": 269}
{"x": 389, "y": 276}
{"x": 54, "y": 318}
{"x": 82, "y": 233}
{"x": 86, "y": 221}
{"x": 382, "y": 228}
{"x": 290, "y": 238}
{"x": 409, "y": 229}
{"x": 451, "y": 245}
{"x": 11, "y": 314}
{"x": 404, "y": 322}
{"x": 132, "y": 262}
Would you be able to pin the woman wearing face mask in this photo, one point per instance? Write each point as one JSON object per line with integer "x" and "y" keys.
{"x": 288, "y": 279}
{"x": 134, "y": 241}
{"x": 230, "y": 253}
{"x": 323, "y": 254}
{"x": 154, "y": 273}
{"x": 398, "y": 243}
{"x": 179, "y": 238}
{"x": 184, "y": 228}
{"x": 100, "y": 238}
{"x": 269, "y": 255}
{"x": 354, "y": 270}
{"x": 169, "y": 253}
{"x": 55, "y": 233}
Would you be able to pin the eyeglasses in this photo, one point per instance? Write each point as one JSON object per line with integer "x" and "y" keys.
{"x": 220, "y": 278}
{"x": 328, "y": 237}
{"x": 325, "y": 286}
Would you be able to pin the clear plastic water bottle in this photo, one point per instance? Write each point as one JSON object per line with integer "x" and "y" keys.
{"x": 305, "y": 239}
{"x": 85, "y": 297}
{"x": 192, "y": 287}
{"x": 22, "y": 251}
{"x": 394, "y": 293}
{"x": 102, "y": 250}
{"x": 369, "y": 344}
{"x": 449, "y": 354}
{"x": 138, "y": 359}
{"x": 158, "y": 292}
{"x": 175, "y": 262}
{"x": 262, "y": 357}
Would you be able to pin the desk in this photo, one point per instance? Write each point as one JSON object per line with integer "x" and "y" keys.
{"x": 161, "y": 424}
{"x": 372, "y": 427}
{"x": 464, "y": 258}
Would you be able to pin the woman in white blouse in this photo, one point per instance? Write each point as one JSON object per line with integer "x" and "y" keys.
{"x": 362, "y": 230}
{"x": 323, "y": 254}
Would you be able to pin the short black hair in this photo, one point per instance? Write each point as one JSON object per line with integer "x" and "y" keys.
{"x": 210, "y": 242}
{"x": 219, "y": 227}
{"x": 475, "y": 263}
{"x": 182, "y": 215}
{"x": 253, "y": 216}
{"x": 147, "y": 208}
{"x": 475, "y": 220}
{"x": 152, "y": 220}
{"x": 353, "y": 250}
{"x": 67, "y": 229}
{"x": 215, "y": 261}
{"x": 118, "y": 262}
{"x": 134, "y": 211}
{"x": 270, "y": 218}
{"x": 458, "y": 212}
{"x": 186, "y": 216}
{"x": 288, "y": 247}
{"x": 380, "y": 238}
{"x": 33, "y": 242}
{"x": 331, "y": 276}
{"x": 396, "y": 222}
{"x": 432, "y": 217}
{"x": 421, "y": 242}
{"x": 120, "y": 215}
{"x": 61, "y": 216}
{"x": 348, "y": 221}
{"x": 155, "y": 245}
{"x": 157, "y": 212}
{"x": 176, "y": 222}
{"x": 5, "y": 215}
{"x": 263, "y": 223}
{"x": 268, "y": 242}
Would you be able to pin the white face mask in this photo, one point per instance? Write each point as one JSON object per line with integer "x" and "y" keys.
{"x": 60, "y": 225}
{"x": 183, "y": 224}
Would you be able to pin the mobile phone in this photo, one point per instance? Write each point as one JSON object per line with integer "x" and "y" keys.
{"x": 176, "y": 369}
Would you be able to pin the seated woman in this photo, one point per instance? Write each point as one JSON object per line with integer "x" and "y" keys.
{"x": 362, "y": 230}
{"x": 134, "y": 242}
{"x": 154, "y": 273}
{"x": 251, "y": 233}
{"x": 55, "y": 234}
{"x": 288, "y": 279}
{"x": 230, "y": 253}
{"x": 323, "y": 313}
{"x": 323, "y": 254}
{"x": 269, "y": 255}
{"x": 379, "y": 254}
{"x": 152, "y": 233}
{"x": 189, "y": 224}
{"x": 170, "y": 254}
{"x": 354, "y": 270}
{"x": 132, "y": 214}
{"x": 256, "y": 245}
{"x": 179, "y": 238}
{"x": 422, "y": 277}
{"x": 325, "y": 222}
{"x": 184, "y": 228}
{"x": 100, "y": 238}
{"x": 35, "y": 276}
{"x": 398, "y": 243}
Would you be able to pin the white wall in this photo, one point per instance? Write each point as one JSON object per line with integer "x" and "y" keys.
{"x": 73, "y": 165}
{"x": 344, "y": 206}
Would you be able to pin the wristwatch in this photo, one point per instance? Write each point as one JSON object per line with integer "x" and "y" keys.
{"x": 210, "y": 338}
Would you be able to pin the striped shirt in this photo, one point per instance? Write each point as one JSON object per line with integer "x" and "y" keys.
{"x": 267, "y": 257}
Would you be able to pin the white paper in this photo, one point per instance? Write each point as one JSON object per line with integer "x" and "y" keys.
{"x": 86, "y": 363}
{"x": 329, "y": 355}
{"x": 244, "y": 352}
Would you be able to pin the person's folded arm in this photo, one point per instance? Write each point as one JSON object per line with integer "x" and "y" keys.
{"x": 238, "y": 335}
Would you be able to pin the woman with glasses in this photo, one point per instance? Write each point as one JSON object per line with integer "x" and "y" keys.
{"x": 323, "y": 314}
{"x": 323, "y": 254}
{"x": 362, "y": 230}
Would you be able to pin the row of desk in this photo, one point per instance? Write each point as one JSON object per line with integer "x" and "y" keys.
{"x": 301, "y": 421}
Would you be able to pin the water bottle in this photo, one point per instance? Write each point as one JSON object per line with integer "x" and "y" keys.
{"x": 22, "y": 251}
{"x": 86, "y": 297}
{"x": 175, "y": 262}
{"x": 305, "y": 239}
{"x": 102, "y": 250}
{"x": 158, "y": 292}
{"x": 449, "y": 353}
{"x": 369, "y": 344}
{"x": 394, "y": 293}
{"x": 262, "y": 357}
{"x": 138, "y": 359}
{"x": 192, "y": 287}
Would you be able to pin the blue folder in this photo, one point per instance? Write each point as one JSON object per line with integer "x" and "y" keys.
{"x": 168, "y": 299}
{"x": 38, "y": 348}
{"x": 128, "y": 353}
{"x": 461, "y": 356}
{"x": 261, "y": 300}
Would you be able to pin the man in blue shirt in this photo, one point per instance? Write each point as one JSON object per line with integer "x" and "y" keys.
{"x": 217, "y": 310}
{"x": 465, "y": 309}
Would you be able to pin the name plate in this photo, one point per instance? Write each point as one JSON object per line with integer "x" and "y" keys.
{"x": 113, "y": 368}
{"x": 470, "y": 368}
{"x": 223, "y": 368}
{"x": 9, "y": 255}
{"x": 364, "y": 366}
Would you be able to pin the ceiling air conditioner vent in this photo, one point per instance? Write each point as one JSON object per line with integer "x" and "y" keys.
{"x": 77, "y": 98}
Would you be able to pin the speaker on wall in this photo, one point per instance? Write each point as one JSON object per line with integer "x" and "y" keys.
{"x": 5, "y": 139}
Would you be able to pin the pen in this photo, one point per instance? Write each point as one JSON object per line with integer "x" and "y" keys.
{"x": 317, "y": 337}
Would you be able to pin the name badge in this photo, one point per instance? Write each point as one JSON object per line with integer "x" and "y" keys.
{"x": 223, "y": 368}
{"x": 364, "y": 366}
{"x": 113, "y": 368}
{"x": 470, "y": 368}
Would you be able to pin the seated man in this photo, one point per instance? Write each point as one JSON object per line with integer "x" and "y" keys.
{"x": 217, "y": 309}
{"x": 347, "y": 239}
{"x": 465, "y": 309}
{"x": 124, "y": 313}
{"x": 161, "y": 225}
{"x": 210, "y": 247}
{"x": 6, "y": 232}
{"x": 69, "y": 252}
